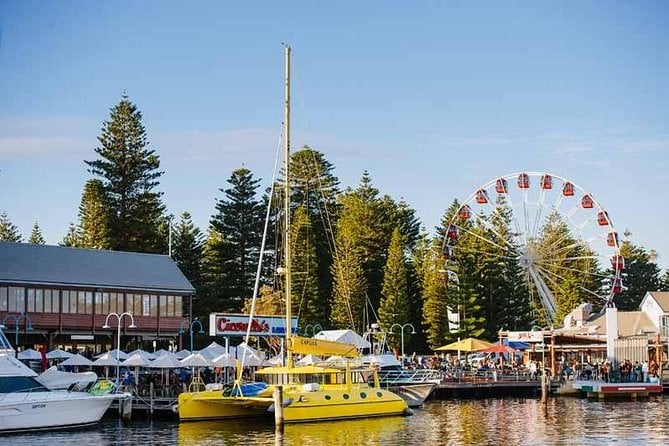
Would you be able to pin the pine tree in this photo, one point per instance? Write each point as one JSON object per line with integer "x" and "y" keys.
{"x": 73, "y": 238}
{"x": 8, "y": 231}
{"x": 567, "y": 267}
{"x": 664, "y": 281}
{"x": 435, "y": 302}
{"x": 308, "y": 304}
{"x": 36, "y": 236}
{"x": 213, "y": 297}
{"x": 394, "y": 306}
{"x": 94, "y": 220}
{"x": 129, "y": 171}
{"x": 314, "y": 187}
{"x": 187, "y": 250}
{"x": 350, "y": 285}
{"x": 641, "y": 275}
{"x": 239, "y": 221}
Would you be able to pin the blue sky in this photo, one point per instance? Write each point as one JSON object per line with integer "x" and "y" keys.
{"x": 432, "y": 98}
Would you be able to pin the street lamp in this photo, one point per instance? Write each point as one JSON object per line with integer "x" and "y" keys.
{"x": 119, "y": 319}
{"x": 17, "y": 323}
{"x": 313, "y": 329}
{"x": 402, "y": 327}
{"x": 190, "y": 326}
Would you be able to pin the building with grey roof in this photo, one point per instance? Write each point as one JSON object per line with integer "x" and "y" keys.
{"x": 53, "y": 295}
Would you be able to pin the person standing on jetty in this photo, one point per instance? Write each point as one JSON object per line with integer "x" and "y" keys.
{"x": 533, "y": 370}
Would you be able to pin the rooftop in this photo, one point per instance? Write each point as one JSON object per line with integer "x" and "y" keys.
{"x": 25, "y": 263}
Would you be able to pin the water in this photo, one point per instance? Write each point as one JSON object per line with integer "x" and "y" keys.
{"x": 563, "y": 421}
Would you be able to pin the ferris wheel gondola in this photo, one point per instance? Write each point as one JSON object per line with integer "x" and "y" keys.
{"x": 529, "y": 203}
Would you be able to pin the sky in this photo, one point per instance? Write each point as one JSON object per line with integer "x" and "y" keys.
{"x": 432, "y": 98}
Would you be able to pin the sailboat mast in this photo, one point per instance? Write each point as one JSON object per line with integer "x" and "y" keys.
{"x": 287, "y": 260}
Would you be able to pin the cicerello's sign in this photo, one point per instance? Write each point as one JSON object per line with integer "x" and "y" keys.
{"x": 223, "y": 324}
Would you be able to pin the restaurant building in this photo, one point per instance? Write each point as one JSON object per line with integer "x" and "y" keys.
{"x": 54, "y": 296}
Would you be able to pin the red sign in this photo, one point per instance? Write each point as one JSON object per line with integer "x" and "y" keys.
{"x": 237, "y": 325}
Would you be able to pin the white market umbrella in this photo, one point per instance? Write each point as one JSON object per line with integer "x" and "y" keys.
{"x": 166, "y": 362}
{"x": 58, "y": 354}
{"x": 106, "y": 360}
{"x": 77, "y": 360}
{"x": 136, "y": 360}
{"x": 30, "y": 355}
{"x": 181, "y": 354}
{"x": 213, "y": 350}
{"x": 144, "y": 354}
{"x": 121, "y": 354}
{"x": 224, "y": 360}
{"x": 161, "y": 352}
{"x": 196, "y": 360}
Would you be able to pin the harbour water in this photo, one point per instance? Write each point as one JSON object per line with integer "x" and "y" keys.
{"x": 562, "y": 421}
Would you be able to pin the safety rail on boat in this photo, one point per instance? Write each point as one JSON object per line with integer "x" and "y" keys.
{"x": 407, "y": 375}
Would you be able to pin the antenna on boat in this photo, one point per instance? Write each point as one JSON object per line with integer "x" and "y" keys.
{"x": 287, "y": 259}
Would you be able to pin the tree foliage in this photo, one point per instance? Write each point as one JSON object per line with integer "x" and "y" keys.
{"x": 130, "y": 172}
{"x": 238, "y": 219}
{"x": 9, "y": 232}
{"x": 641, "y": 275}
{"x": 394, "y": 306}
{"x": 36, "y": 236}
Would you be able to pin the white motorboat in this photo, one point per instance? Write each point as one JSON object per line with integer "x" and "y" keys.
{"x": 413, "y": 385}
{"x": 27, "y": 405}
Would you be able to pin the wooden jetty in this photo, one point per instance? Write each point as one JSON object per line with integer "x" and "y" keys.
{"x": 490, "y": 388}
{"x": 604, "y": 390}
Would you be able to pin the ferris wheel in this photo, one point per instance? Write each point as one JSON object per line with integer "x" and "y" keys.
{"x": 555, "y": 233}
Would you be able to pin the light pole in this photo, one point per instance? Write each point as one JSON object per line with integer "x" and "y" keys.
{"x": 190, "y": 326}
{"x": 17, "y": 323}
{"x": 313, "y": 329}
{"x": 544, "y": 389}
{"x": 119, "y": 319}
{"x": 402, "y": 327}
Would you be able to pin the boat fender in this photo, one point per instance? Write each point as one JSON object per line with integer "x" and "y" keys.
{"x": 175, "y": 408}
{"x": 408, "y": 412}
{"x": 286, "y": 402}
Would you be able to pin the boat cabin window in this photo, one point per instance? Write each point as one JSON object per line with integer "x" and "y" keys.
{"x": 10, "y": 384}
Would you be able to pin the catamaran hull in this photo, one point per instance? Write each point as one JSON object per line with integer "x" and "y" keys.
{"x": 210, "y": 405}
{"x": 341, "y": 405}
{"x": 51, "y": 410}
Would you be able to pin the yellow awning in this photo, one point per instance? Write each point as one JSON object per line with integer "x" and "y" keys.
{"x": 319, "y": 347}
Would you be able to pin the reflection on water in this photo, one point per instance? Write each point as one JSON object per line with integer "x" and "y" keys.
{"x": 562, "y": 421}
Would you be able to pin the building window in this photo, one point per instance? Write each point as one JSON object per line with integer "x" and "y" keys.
{"x": 170, "y": 305}
{"x": 39, "y": 300}
{"x": 31, "y": 300}
{"x": 51, "y": 301}
{"x": 101, "y": 303}
{"x": 3, "y": 298}
{"x": 16, "y": 300}
{"x": 73, "y": 301}
{"x": 178, "y": 306}
{"x": 154, "y": 306}
{"x": 116, "y": 303}
{"x": 137, "y": 305}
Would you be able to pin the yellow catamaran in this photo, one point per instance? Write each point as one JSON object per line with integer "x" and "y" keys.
{"x": 307, "y": 393}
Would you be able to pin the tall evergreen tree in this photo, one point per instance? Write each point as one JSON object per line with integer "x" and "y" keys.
{"x": 239, "y": 220}
{"x": 350, "y": 285}
{"x": 664, "y": 281}
{"x": 188, "y": 246}
{"x": 315, "y": 188}
{"x": 308, "y": 304}
{"x": 9, "y": 232}
{"x": 435, "y": 302}
{"x": 395, "y": 293}
{"x": 73, "y": 238}
{"x": 213, "y": 297}
{"x": 130, "y": 173}
{"x": 641, "y": 275}
{"x": 94, "y": 216}
{"x": 567, "y": 267}
{"x": 36, "y": 236}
